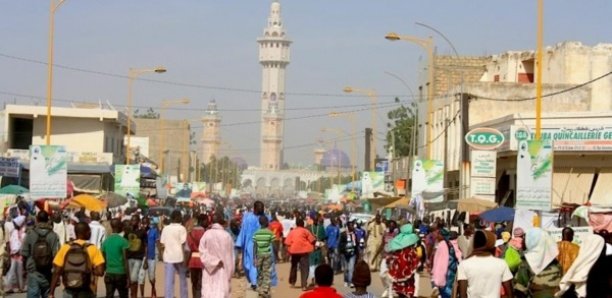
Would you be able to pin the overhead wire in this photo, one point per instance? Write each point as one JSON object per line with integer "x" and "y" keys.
{"x": 182, "y": 84}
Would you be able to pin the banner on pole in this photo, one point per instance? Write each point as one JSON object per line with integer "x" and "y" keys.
{"x": 48, "y": 171}
{"x": 372, "y": 182}
{"x": 428, "y": 176}
{"x": 127, "y": 180}
{"x": 534, "y": 171}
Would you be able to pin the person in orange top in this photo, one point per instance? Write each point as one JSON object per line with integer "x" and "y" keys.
{"x": 277, "y": 228}
{"x": 568, "y": 251}
{"x": 300, "y": 243}
{"x": 324, "y": 277}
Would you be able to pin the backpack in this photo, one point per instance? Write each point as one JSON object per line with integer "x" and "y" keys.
{"x": 77, "y": 267}
{"x": 41, "y": 252}
{"x": 135, "y": 242}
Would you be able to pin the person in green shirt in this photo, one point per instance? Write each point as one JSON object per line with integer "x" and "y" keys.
{"x": 316, "y": 257}
{"x": 262, "y": 240}
{"x": 114, "y": 249}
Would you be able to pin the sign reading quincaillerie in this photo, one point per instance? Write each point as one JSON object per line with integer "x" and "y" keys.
{"x": 484, "y": 168}
{"x": 584, "y": 138}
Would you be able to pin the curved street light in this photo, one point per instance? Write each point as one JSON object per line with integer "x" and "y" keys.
{"x": 133, "y": 74}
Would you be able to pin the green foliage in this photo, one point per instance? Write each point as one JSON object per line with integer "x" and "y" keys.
{"x": 148, "y": 114}
{"x": 400, "y": 126}
{"x": 324, "y": 183}
{"x": 220, "y": 170}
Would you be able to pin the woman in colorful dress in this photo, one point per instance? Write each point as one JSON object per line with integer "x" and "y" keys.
{"x": 403, "y": 261}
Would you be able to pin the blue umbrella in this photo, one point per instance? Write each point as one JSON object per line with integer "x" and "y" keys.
{"x": 498, "y": 214}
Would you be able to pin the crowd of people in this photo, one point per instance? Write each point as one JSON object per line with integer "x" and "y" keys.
{"x": 209, "y": 247}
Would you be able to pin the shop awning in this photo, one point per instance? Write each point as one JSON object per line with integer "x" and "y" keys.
{"x": 602, "y": 194}
{"x": 571, "y": 187}
{"x": 475, "y": 205}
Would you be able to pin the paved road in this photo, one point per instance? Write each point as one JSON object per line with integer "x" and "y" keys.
{"x": 239, "y": 286}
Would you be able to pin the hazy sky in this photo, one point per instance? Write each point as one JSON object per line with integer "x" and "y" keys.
{"x": 213, "y": 44}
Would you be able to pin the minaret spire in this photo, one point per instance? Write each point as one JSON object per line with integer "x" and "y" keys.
{"x": 274, "y": 58}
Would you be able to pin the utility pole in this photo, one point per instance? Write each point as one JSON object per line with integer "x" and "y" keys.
{"x": 368, "y": 149}
{"x": 465, "y": 149}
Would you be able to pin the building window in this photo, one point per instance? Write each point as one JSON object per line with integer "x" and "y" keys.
{"x": 496, "y": 78}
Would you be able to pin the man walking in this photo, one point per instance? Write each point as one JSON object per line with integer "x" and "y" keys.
{"x": 332, "y": 233}
{"x": 217, "y": 257}
{"x": 98, "y": 232}
{"x": 195, "y": 264}
{"x": 137, "y": 239}
{"x": 114, "y": 249}
{"x": 77, "y": 262}
{"x": 348, "y": 252}
{"x": 173, "y": 238}
{"x": 375, "y": 233}
{"x": 39, "y": 247}
{"x": 263, "y": 239}
{"x": 244, "y": 241}
{"x": 300, "y": 243}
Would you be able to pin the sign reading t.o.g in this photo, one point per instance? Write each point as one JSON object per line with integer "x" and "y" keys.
{"x": 484, "y": 138}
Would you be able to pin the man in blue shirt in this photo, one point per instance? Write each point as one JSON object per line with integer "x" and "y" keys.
{"x": 332, "y": 232}
{"x": 153, "y": 234}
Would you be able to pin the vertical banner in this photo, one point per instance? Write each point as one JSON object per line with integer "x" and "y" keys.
{"x": 428, "y": 179}
{"x": 534, "y": 171}
{"x": 484, "y": 171}
{"x": 127, "y": 180}
{"x": 372, "y": 182}
{"x": 48, "y": 171}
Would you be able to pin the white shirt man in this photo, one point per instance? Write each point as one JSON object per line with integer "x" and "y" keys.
{"x": 483, "y": 273}
{"x": 98, "y": 232}
{"x": 173, "y": 237}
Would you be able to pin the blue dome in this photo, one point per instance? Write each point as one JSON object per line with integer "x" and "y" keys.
{"x": 335, "y": 158}
{"x": 240, "y": 162}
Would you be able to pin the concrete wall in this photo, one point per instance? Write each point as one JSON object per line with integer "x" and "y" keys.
{"x": 77, "y": 134}
{"x": 176, "y": 145}
{"x": 564, "y": 63}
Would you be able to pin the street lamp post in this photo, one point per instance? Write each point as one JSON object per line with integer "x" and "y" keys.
{"x": 164, "y": 105}
{"x": 133, "y": 74}
{"x": 428, "y": 45}
{"x": 351, "y": 117}
{"x": 55, "y": 4}
{"x": 371, "y": 93}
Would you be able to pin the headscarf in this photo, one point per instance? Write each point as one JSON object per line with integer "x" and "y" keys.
{"x": 505, "y": 236}
{"x": 517, "y": 241}
{"x": 361, "y": 275}
{"x": 19, "y": 221}
{"x": 405, "y": 238}
{"x": 541, "y": 249}
{"x": 445, "y": 234}
{"x": 590, "y": 251}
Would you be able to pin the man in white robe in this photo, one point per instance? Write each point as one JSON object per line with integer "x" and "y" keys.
{"x": 217, "y": 256}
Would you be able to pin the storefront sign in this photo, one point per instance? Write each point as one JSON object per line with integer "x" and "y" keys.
{"x": 483, "y": 188}
{"x": 484, "y": 163}
{"x": 484, "y": 138}
{"x": 48, "y": 171}
{"x": 584, "y": 138}
{"x": 534, "y": 175}
{"x": 9, "y": 167}
{"x": 428, "y": 175}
